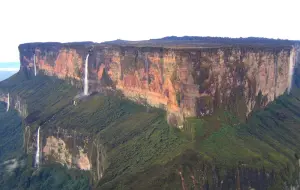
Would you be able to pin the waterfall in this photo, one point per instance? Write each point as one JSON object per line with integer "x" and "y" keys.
{"x": 291, "y": 70}
{"x": 37, "y": 155}
{"x": 34, "y": 64}
{"x": 86, "y": 82}
{"x": 7, "y": 108}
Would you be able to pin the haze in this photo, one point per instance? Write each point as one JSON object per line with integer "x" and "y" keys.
{"x": 91, "y": 20}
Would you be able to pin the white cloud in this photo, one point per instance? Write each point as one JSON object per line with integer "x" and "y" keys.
{"x": 9, "y": 69}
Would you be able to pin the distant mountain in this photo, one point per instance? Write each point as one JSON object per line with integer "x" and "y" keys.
{"x": 225, "y": 40}
{"x": 118, "y": 41}
{"x": 206, "y": 41}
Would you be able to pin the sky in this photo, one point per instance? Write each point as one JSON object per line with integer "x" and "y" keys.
{"x": 24, "y": 21}
{"x": 8, "y": 69}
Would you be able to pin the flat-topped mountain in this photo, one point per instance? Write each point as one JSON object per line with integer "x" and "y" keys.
{"x": 171, "y": 113}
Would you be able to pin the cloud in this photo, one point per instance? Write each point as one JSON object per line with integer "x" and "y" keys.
{"x": 10, "y": 69}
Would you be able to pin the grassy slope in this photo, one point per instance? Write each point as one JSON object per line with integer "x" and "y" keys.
{"x": 11, "y": 133}
{"x": 144, "y": 152}
{"x": 134, "y": 137}
{"x": 49, "y": 177}
{"x": 269, "y": 140}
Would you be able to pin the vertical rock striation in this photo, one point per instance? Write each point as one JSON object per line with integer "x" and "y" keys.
{"x": 68, "y": 148}
{"x": 185, "y": 82}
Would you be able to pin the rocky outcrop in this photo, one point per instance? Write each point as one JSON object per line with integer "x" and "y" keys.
{"x": 20, "y": 105}
{"x": 185, "y": 82}
{"x": 68, "y": 148}
{"x": 16, "y": 103}
{"x": 57, "y": 149}
{"x": 3, "y": 97}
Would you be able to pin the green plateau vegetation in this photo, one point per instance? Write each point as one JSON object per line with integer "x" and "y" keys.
{"x": 143, "y": 151}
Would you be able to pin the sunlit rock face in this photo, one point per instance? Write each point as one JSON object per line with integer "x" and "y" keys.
{"x": 67, "y": 64}
{"x": 56, "y": 148}
{"x": 15, "y": 102}
{"x": 83, "y": 161}
{"x": 68, "y": 148}
{"x": 185, "y": 82}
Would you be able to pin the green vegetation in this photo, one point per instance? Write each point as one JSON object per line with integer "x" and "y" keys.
{"x": 50, "y": 177}
{"x": 11, "y": 133}
{"x": 136, "y": 137}
{"x": 269, "y": 139}
{"x": 144, "y": 152}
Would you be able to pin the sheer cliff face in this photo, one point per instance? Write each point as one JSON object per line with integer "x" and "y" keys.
{"x": 68, "y": 148}
{"x": 185, "y": 82}
{"x": 15, "y": 102}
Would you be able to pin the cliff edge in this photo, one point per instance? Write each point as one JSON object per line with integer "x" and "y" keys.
{"x": 236, "y": 102}
{"x": 188, "y": 78}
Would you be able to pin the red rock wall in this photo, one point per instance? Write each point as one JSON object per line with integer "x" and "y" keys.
{"x": 185, "y": 82}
